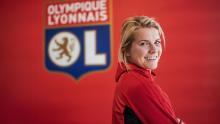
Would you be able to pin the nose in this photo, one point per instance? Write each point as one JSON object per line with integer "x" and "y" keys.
{"x": 152, "y": 48}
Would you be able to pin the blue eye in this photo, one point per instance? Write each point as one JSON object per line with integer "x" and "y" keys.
{"x": 142, "y": 44}
{"x": 157, "y": 42}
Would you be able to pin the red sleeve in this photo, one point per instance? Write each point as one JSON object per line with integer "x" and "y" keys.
{"x": 143, "y": 102}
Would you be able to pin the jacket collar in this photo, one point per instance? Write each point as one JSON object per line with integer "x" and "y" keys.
{"x": 132, "y": 67}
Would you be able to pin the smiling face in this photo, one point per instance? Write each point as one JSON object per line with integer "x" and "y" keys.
{"x": 146, "y": 49}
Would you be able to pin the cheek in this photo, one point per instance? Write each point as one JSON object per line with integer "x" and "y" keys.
{"x": 139, "y": 52}
{"x": 160, "y": 52}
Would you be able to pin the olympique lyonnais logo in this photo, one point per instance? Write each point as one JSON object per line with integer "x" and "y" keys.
{"x": 77, "y": 36}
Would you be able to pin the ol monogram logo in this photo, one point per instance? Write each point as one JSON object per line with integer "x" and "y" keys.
{"x": 77, "y": 36}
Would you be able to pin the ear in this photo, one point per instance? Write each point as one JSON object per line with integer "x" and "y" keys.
{"x": 128, "y": 54}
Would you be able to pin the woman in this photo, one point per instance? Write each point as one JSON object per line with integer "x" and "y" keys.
{"x": 138, "y": 99}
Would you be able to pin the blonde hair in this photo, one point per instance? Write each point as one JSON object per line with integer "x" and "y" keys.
{"x": 129, "y": 26}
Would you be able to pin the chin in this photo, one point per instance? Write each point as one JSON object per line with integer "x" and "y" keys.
{"x": 152, "y": 67}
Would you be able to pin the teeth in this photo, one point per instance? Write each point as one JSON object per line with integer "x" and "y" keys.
{"x": 151, "y": 58}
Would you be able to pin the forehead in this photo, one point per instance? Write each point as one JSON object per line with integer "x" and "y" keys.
{"x": 146, "y": 34}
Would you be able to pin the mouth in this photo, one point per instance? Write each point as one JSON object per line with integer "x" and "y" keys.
{"x": 151, "y": 58}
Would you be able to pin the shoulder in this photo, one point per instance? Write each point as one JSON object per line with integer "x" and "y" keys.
{"x": 134, "y": 76}
{"x": 133, "y": 79}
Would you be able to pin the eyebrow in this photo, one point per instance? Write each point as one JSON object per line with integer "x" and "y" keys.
{"x": 149, "y": 41}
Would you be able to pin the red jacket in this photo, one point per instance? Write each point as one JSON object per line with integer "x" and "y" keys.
{"x": 137, "y": 90}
